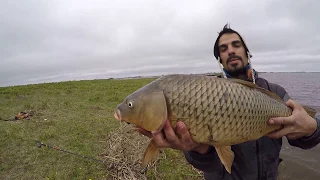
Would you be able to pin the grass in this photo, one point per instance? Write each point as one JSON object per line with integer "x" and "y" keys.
{"x": 76, "y": 116}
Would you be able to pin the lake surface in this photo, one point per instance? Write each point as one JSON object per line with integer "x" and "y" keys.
{"x": 302, "y": 87}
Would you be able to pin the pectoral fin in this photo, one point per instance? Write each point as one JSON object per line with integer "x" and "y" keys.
{"x": 151, "y": 153}
{"x": 226, "y": 156}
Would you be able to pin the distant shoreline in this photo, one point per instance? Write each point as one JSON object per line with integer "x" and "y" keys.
{"x": 127, "y": 77}
{"x": 210, "y": 74}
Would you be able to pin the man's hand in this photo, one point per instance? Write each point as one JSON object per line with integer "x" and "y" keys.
{"x": 180, "y": 141}
{"x": 299, "y": 124}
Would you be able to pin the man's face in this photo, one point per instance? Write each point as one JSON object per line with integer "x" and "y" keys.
{"x": 232, "y": 52}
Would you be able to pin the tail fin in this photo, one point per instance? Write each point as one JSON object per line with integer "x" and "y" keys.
{"x": 312, "y": 112}
{"x": 151, "y": 153}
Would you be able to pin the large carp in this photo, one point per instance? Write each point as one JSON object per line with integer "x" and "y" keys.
{"x": 217, "y": 111}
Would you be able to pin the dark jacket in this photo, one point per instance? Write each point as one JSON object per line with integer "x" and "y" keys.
{"x": 254, "y": 160}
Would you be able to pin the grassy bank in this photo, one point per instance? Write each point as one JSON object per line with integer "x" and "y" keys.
{"x": 74, "y": 116}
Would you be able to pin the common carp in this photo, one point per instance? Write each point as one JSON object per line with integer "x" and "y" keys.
{"x": 217, "y": 111}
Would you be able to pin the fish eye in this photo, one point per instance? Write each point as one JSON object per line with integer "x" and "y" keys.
{"x": 130, "y": 104}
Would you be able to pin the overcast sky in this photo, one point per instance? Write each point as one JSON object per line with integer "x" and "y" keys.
{"x": 57, "y": 40}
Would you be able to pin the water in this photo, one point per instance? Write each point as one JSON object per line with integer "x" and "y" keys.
{"x": 302, "y": 87}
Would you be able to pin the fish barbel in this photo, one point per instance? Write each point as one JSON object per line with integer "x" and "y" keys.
{"x": 217, "y": 111}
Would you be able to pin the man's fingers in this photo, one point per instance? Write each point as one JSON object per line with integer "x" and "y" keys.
{"x": 279, "y": 134}
{"x": 144, "y": 132}
{"x": 184, "y": 134}
{"x": 280, "y": 120}
{"x": 170, "y": 134}
{"x": 159, "y": 139}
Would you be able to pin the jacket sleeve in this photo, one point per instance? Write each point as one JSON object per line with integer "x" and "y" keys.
{"x": 209, "y": 162}
{"x": 303, "y": 142}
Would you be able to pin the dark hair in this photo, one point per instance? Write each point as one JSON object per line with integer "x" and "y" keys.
{"x": 227, "y": 30}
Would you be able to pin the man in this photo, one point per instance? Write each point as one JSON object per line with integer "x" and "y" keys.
{"x": 254, "y": 159}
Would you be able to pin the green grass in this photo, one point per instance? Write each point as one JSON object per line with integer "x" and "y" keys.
{"x": 75, "y": 116}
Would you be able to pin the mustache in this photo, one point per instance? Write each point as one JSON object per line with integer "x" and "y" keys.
{"x": 232, "y": 57}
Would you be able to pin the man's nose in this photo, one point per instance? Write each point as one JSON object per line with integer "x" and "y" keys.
{"x": 231, "y": 50}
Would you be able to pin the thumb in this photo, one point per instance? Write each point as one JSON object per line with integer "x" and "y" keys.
{"x": 290, "y": 103}
{"x": 293, "y": 105}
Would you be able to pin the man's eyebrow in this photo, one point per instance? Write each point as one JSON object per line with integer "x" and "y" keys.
{"x": 235, "y": 41}
{"x": 222, "y": 45}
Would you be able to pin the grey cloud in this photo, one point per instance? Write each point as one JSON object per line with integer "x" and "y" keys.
{"x": 65, "y": 40}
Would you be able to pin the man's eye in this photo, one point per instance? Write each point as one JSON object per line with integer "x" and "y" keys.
{"x": 236, "y": 44}
{"x": 222, "y": 50}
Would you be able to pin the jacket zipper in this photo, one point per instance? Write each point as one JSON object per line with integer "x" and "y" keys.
{"x": 258, "y": 158}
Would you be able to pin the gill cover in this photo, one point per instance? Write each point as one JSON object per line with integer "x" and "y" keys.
{"x": 153, "y": 112}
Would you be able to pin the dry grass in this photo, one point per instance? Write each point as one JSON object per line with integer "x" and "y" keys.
{"x": 123, "y": 154}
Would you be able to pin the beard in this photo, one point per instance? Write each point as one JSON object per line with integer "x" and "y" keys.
{"x": 236, "y": 69}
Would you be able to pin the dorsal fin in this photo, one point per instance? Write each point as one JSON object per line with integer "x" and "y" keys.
{"x": 312, "y": 112}
{"x": 254, "y": 86}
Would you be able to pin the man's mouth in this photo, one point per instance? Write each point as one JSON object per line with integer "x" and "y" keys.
{"x": 233, "y": 59}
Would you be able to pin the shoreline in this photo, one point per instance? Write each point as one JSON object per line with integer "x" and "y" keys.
{"x": 125, "y": 77}
{"x": 299, "y": 163}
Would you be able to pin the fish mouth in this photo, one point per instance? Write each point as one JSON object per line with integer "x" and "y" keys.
{"x": 117, "y": 114}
